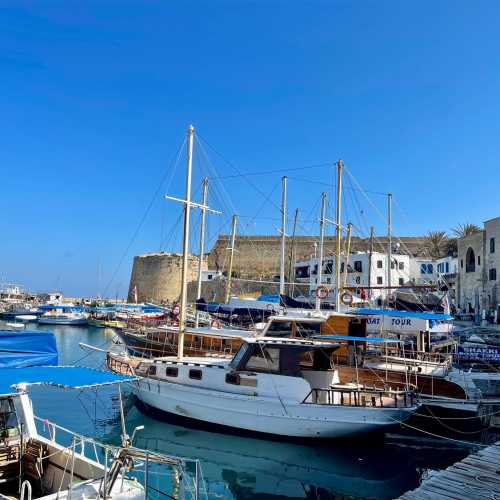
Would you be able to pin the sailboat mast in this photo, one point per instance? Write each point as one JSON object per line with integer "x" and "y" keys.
{"x": 347, "y": 252}
{"x": 389, "y": 242}
{"x": 339, "y": 234}
{"x": 185, "y": 245}
{"x": 231, "y": 259}
{"x": 204, "y": 202}
{"x": 283, "y": 235}
{"x": 291, "y": 267}
{"x": 319, "y": 274}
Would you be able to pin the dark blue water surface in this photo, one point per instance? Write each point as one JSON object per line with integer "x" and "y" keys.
{"x": 240, "y": 467}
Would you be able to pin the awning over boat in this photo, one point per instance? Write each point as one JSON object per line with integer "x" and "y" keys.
{"x": 378, "y": 340}
{"x": 24, "y": 348}
{"x": 403, "y": 314}
{"x": 65, "y": 377}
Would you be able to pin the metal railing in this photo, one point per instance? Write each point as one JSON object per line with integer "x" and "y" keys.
{"x": 370, "y": 398}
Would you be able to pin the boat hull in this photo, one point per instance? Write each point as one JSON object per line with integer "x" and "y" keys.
{"x": 266, "y": 415}
{"x": 63, "y": 321}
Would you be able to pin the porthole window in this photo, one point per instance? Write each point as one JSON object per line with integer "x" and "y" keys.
{"x": 195, "y": 374}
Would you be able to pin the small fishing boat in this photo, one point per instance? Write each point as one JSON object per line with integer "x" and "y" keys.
{"x": 63, "y": 315}
{"x": 105, "y": 318}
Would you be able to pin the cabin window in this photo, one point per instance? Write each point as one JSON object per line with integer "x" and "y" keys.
{"x": 401, "y": 281}
{"x": 8, "y": 419}
{"x": 470, "y": 261}
{"x": 341, "y": 267}
{"x": 401, "y": 265}
{"x": 264, "y": 359}
{"x": 493, "y": 274}
{"x": 358, "y": 266}
{"x": 239, "y": 356}
{"x": 152, "y": 370}
{"x": 172, "y": 371}
{"x": 492, "y": 245}
{"x": 195, "y": 374}
{"x": 380, "y": 264}
{"x": 478, "y": 260}
{"x": 329, "y": 267}
{"x": 393, "y": 265}
{"x": 380, "y": 280}
{"x": 232, "y": 378}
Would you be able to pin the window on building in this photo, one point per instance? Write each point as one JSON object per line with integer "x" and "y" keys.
{"x": 358, "y": 266}
{"x": 493, "y": 274}
{"x": 492, "y": 245}
{"x": 401, "y": 281}
{"x": 470, "y": 261}
{"x": 401, "y": 265}
{"x": 380, "y": 280}
{"x": 478, "y": 260}
{"x": 461, "y": 263}
{"x": 380, "y": 264}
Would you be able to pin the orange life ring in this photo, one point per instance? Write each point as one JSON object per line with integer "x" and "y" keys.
{"x": 215, "y": 323}
{"x": 347, "y": 298}
{"x": 322, "y": 292}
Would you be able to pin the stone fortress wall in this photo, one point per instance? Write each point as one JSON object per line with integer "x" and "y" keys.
{"x": 157, "y": 276}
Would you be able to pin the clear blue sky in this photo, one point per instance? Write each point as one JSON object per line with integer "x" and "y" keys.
{"x": 95, "y": 98}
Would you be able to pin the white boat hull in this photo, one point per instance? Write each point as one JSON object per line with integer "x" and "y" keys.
{"x": 62, "y": 321}
{"x": 265, "y": 414}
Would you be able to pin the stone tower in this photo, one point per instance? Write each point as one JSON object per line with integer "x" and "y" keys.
{"x": 157, "y": 276}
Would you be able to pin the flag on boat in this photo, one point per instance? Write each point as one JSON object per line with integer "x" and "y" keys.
{"x": 445, "y": 303}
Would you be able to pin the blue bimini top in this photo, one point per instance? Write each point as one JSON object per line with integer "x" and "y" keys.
{"x": 66, "y": 377}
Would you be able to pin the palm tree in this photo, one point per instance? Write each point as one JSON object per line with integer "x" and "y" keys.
{"x": 436, "y": 243}
{"x": 465, "y": 229}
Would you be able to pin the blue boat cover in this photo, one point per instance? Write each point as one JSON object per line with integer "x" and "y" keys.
{"x": 269, "y": 298}
{"x": 403, "y": 314}
{"x": 25, "y": 348}
{"x": 378, "y": 340}
{"x": 67, "y": 377}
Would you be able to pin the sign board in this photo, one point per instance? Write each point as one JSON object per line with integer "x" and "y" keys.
{"x": 476, "y": 353}
{"x": 376, "y": 324}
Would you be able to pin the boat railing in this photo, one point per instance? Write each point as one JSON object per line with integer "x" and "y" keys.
{"x": 103, "y": 454}
{"x": 366, "y": 397}
{"x": 118, "y": 366}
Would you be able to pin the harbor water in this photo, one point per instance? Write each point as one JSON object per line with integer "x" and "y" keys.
{"x": 236, "y": 467}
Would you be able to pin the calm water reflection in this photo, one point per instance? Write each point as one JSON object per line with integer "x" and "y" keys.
{"x": 241, "y": 467}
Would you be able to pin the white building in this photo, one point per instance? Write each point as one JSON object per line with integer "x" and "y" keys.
{"x": 361, "y": 272}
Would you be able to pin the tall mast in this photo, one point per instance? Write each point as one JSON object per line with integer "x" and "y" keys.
{"x": 231, "y": 258}
{"x": 319, "y": 275}
{"x": 370, "y": 264}
{"x": 185, "y": 245}
{"x": 389, "y": 242}
{"x": 283, "y": 235}
{"x": 202, "y": 242}
{"x": 291, "y": 267}
{"x": 347, "y": 251}
{"x": 339, "y": 235}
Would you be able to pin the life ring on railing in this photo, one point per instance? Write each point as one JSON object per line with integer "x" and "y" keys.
{"x": 215, "y": 323}
{"x": 322, "y": 292}
{"x": 347, "y": 298}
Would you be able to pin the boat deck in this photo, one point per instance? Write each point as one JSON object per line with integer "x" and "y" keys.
{"x": 476, "y": 476}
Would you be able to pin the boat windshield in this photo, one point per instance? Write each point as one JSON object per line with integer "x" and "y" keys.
{"x": 238, "y": 356}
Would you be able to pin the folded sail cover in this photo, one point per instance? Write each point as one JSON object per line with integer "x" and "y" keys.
{"x": 65, "y": 377}
{"x": 27, "y": 348}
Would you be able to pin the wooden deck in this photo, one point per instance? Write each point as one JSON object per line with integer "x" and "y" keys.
{"x": 474, "y": 477}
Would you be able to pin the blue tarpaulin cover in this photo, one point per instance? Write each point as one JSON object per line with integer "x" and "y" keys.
{"x": 403, "y": 314}
{"x": 358, "y": 339}
{"x": 19, "y": 349}
{"x": 67, "y": 377}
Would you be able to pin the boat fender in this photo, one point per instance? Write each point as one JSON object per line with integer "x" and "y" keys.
{"x": 322, "y": 292}
{"x": 346, "y": 298}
